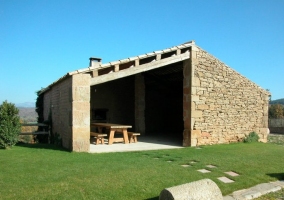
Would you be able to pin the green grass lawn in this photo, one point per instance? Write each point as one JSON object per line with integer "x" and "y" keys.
{"x": 45, "y": 172}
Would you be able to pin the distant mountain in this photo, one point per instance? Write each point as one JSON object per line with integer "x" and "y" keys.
{"x": 26, "y": 105}
{"x": 28, "y": 114}
{"x": 278, "y": 101}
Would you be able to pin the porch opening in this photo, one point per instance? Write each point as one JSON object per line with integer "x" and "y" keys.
{"x": 163, "y": 102}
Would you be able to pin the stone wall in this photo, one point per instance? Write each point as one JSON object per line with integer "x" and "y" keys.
{"x": 276, "y": 125}
{"x": 72, "y": 124}
{"x": 58, "y": 102}
{"x": 225, "y": 106}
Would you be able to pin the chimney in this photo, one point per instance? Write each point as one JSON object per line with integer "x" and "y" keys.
{"x": 95, "y": 62}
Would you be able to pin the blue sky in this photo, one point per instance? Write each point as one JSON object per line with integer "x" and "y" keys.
{"x": 42, "y": 40}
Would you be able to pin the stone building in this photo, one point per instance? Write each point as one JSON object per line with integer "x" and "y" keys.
{"x": 181, "y": 92}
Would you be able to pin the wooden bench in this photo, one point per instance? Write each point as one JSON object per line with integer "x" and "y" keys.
{"x": 99, "y": 137}
{"x": 133, "y": 136}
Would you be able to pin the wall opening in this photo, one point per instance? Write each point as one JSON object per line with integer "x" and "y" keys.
{"x": 164, "y": 101}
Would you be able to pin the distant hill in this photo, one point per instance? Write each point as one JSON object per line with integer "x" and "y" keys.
{"x": 26, "y": 105}
{"x": 278, "y": 101}
{"x": 28, "y": 114}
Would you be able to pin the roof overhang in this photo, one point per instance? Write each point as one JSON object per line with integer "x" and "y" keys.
{"x": 126, "y": 67}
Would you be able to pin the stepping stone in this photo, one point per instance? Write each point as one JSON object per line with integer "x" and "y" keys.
{"x": 204, "y": 171}
{"x": 225, "y": 180}
{"x": 169, "y": 161}
{"x": 232, "y": 173}
{"x": 198, "y": 148}
{"x": 192, "y": 162}
{"x": 156, "y": 158}
{"x": 185, "y": 165}
{"x": 211, "y": 166}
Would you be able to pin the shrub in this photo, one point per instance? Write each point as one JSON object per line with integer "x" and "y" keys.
{"x": 9, "y": 125}
{"x": 252, "y": 137}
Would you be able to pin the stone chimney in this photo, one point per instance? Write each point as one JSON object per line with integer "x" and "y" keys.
{"x": 95, "y": 62}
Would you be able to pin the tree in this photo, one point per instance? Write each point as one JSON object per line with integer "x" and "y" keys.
{"x": 9, "y": 125}
{"x": 276, "y": 111}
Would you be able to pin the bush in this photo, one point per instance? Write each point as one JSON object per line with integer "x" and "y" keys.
{"x": 9, "y": 125}
{"x": 252, "y": 137}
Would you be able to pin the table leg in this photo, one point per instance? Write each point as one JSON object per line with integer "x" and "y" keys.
{"x": 125, "y": 136}
{"x": 111, "y": 136}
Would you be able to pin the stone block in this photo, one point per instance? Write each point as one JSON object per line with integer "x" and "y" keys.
{"x": 81, "y": 80}
{"x": 79, "y": 105}
{"x": 81, "y": 93}
{"x": 81, "y": 145}
{"x": 196, "y": 113}
{"x": 80, "y": 133}
{"x": 196, "y": 82}
{"x": 192, "y": 123}
{"x": 203, "y": 107}
{"x": 193, "y": 90}
{"x": 81, "y": 118}
{"x": 202, "y": 190}
{"x": 195, "y": 134}
{"x": 194, "y": 98}
{"x": 193, "y": 142}
{"x": 192, "y": 105}
{"x": 205, "y": 134}
{"x": 264, "y": 131}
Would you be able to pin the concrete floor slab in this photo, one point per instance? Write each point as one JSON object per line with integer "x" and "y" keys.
{"x": 255, "y": 191}
{"x": 144, "y": 143}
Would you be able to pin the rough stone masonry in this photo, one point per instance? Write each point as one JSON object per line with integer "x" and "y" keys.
{"x": 225, "y": 106}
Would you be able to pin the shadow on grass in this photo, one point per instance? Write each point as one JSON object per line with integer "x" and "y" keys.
{"x": 153, "y": 198}
{"x": 279, "y": 176}
{"x": 42, "y": 146}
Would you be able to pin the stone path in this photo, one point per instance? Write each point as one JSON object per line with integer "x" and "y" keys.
{"x": 245, "y": 194}
{"x": 255, "y": 191}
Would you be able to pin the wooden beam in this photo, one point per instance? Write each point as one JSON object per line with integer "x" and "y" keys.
{"x": 136, "y": 63}
{"x": 138, "y": 69}
{"x": 158, "y": 57}
{"x": 116, "y": 68}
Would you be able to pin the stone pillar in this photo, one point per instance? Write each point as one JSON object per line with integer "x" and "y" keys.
{"x": 195, "y": 83}
{"x": 81, "y": 112}
{"x": 264, "y": 130}
{"x": 186, "y": 102}
{"x": 189, "y": 92}
{"x": 139, "y": 104}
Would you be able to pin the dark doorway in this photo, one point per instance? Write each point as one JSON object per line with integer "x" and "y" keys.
{"x": 164, "y": 101}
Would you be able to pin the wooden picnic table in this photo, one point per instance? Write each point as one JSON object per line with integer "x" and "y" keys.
{"x": 119, "y": 128}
